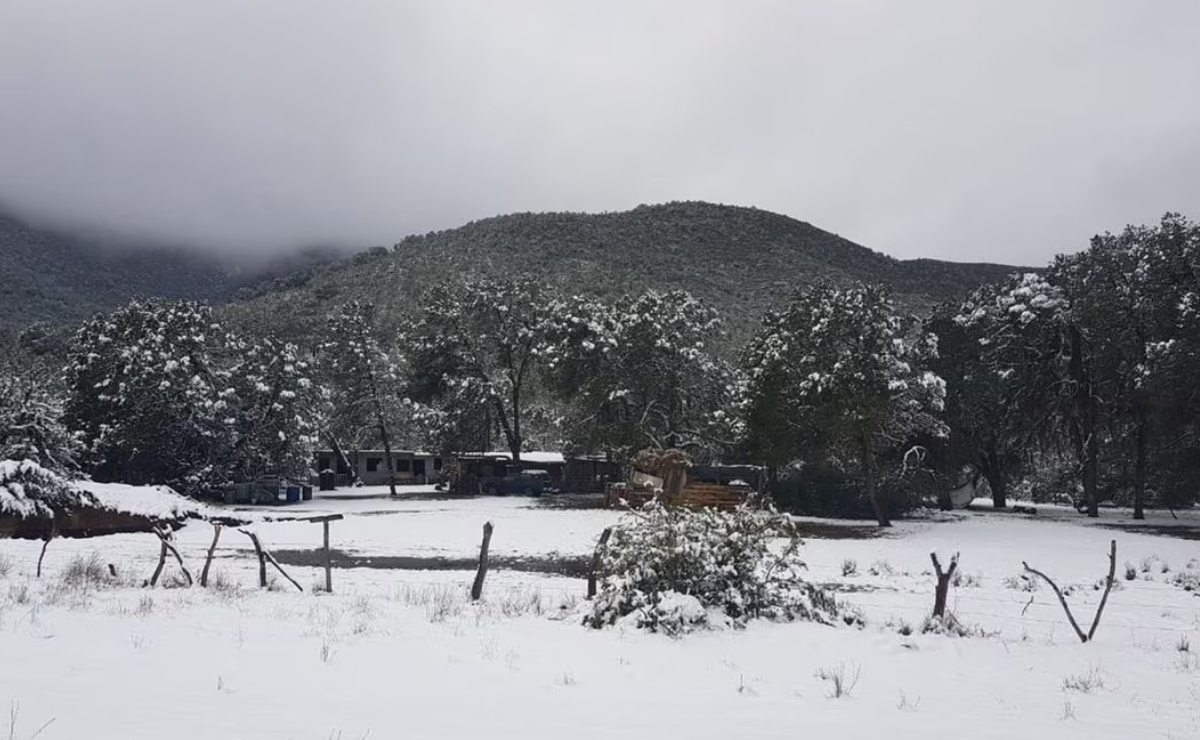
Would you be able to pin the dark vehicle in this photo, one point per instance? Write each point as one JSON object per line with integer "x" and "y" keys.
{"x": 525, "y": 482}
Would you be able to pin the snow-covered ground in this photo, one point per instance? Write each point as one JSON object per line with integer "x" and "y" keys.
{"x": 401, "y": 654}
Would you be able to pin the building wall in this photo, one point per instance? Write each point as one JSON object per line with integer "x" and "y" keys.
{"x": 372, "y": 467}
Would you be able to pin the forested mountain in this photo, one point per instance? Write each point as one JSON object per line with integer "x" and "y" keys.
{"x": 63, "y": 278}
{"x": 57, "y": 278}
{"x": 739, "y": 260}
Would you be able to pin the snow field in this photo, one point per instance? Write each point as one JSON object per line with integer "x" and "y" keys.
{"x": 395, "y": 654}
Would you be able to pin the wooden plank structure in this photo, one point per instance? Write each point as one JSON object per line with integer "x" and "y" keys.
{"x": 692, "y": 496}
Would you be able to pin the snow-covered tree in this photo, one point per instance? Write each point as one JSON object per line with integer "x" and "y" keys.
{"x": 145, "y": 396}
{"x": 1128, "y": 293}
{"x": 365, "y": 377}
{"x": 641, "y": 372}
{"x": 1034, "y": 343}
{"x": 272, "y": 400}
{"x": 31, "y": 426}
{"x": 846, "y": 370}
{"x": 991, "y": 426}
{"x": 476, "y": 351}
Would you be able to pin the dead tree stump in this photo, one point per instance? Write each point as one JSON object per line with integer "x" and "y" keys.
{"x": 1062, "y": 599}
{"x": 943, "y": 583}
{"x": 481, "y": 573}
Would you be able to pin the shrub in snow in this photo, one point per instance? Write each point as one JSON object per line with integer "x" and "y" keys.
{"x": 29, "y": 490}
{"x": 673, "y": 570}
{"x": 950, "y": 626}
{"x": 1189, "y": 578}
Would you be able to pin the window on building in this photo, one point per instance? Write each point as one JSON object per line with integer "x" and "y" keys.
{"x": 418, "y": 467}
{"x": 373, "y": 464}
{"x": 437, "y": 463}
{"x": 402, "y": 465}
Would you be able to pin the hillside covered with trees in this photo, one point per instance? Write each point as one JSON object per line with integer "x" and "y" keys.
{"x": 740, "y": 261}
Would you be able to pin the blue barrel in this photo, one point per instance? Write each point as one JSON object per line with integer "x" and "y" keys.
{"x": 293, "y": 494}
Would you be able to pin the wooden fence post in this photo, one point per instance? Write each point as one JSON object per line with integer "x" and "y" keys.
{"x": 943, "y": 583}
{"x": 591, "y": 586}
{"x": 477, "y": 587}
{"x": 208, "y": 560}
{"x": 324, "y": 522}
{"x": 165, "y": 536}
{"x": 328, "y": 559}
{"x": 53, "y": 532}
{"x": 162, "y": 561}
{"x": 262, "y": 561}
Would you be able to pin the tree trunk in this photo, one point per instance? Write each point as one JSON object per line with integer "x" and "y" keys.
{"x": 341, "y": 455}
{"x": 515, "y": 443}
{"x": 512, "y": 434}
{"x": 1091, "y": 475}
{"x": 1083, "y": 431}
{"x": 998, "y": 482}
{"x": 1139, "y": 470}
{"x": 873, "y": 485}
{"x": 387, "y": 451}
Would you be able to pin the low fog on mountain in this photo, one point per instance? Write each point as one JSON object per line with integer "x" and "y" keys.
{"x": 976, "y": 132}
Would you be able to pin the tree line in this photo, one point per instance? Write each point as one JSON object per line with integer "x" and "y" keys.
{"x": 1078, "y": 378}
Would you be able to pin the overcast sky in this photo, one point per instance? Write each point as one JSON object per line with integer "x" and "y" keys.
{"x": 1002, "y": 131}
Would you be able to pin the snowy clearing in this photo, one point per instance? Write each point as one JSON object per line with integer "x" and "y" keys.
{"x": 401, "y": 653}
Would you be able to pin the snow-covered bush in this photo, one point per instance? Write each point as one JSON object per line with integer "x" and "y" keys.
{"x": 29, "y": 490}
{"x": 673, "y": 569}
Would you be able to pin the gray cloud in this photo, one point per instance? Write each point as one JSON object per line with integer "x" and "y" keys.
{"x": 1001, "y": 131}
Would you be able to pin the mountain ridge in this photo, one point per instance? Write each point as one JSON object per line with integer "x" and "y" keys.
{"x": 740, "y": 259}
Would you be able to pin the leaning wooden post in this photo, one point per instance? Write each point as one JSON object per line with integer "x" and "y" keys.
{"x": 591, "y": 587}
{"x": 162, "y": 562}
{"x": 263, "y": 558}
{"x": 477, "y": 587}
{"x": 165, "y": 536}
{"x": 208, "y": 560}
{"x": 262, "y": 561}
{"x": 282, "y": 572}
{"x": 943, "y": 583}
